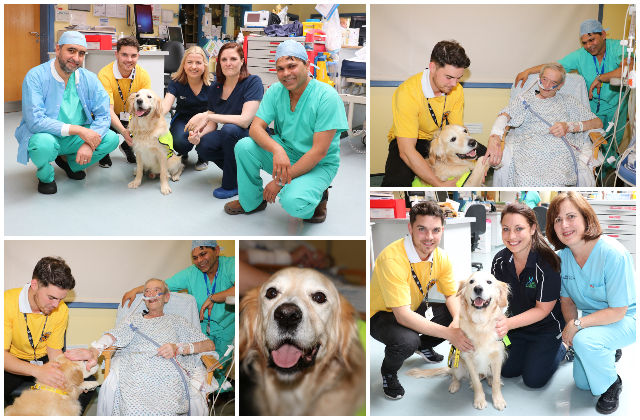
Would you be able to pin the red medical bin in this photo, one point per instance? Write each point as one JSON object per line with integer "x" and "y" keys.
{"x": 398, "y": 206}
{"x": 98, "y": 42}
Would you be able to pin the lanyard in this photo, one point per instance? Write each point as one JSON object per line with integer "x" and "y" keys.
{"x": 206, "y": 283}
{"x": 133, "y": 77}
{"x": 445, "y": 115}
{"x": 31, "y": 338}
{"x": 598, "y": 73}
{"x": 431, "y": 283}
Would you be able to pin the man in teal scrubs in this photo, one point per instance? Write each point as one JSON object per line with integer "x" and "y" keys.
{"x": 303, "y": 154}
{"x": 211, "y": 279}
{"x": 598, "y": 62}
{"x": 530, "y": 198}
{"x": 65, "y": 115}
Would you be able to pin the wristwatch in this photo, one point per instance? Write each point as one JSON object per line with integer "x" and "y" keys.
{"x": 577, "y": 323}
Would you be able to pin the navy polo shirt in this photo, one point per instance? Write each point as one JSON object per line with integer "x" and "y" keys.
{"x": 537, "y": 282}
{"x": 250, "y": 89}
{"x": 188, "y": 103}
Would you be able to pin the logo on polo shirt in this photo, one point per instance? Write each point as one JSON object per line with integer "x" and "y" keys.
{"x": 45, "y": 336}
{"x": 531, "y": 284}
{"x": 592, "y": 289}
{"x": 183, "y": 97}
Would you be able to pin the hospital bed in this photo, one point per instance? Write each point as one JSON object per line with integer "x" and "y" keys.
{"x": 180, "y": 304}
{"x": 351, "y": 85}
{"x": 575, "y": 85}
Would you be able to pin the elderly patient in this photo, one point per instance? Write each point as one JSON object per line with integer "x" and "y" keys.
{"x": 540, "y": 156}
{"x": 149, "y": 383}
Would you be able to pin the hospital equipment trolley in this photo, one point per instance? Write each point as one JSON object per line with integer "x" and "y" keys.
{"x": 618, "y": 220}
{"x": 261, "y": 56}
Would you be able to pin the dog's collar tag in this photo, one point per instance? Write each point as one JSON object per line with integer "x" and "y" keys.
{"x": 506, "y": 341}
{"x": 456, "y": 357}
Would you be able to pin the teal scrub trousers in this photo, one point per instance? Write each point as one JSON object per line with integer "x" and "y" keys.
{"x": 299, "y": 199}
{"x": 45, "y": 147}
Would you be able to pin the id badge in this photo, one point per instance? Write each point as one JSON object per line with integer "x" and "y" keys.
{"x": 125, "y": 116}
{"x": 208, "y": 329}
{"x": 36, "y": 362}
{"x": 429, "y": 314}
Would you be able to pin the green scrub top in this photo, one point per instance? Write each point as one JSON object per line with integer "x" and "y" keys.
{"x": 318, "y": 109}
{"x": 530, "y": 198}
{"x": 582, "y": 61}
{"x": 222, "y": 320}
{"x": 71, "y": 111}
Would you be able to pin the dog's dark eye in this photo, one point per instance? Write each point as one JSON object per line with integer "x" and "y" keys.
{"x": 149, "y": 96}
{"x": 488, "y": 281}
{"x": 319, "y": 297}
{"x": 465, "y": 130}
{"x": 452, "y": 139}
{"x": 271, "y": 293}
{"x": 471, "y": 281}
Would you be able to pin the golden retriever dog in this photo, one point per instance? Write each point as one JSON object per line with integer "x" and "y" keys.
{"x": 453, "y": 153}
{"x": 147, "y": 126}
{"x": 42, "y": 402}
{"x": 299, "y": 341}
{"x": 482, "y": 301}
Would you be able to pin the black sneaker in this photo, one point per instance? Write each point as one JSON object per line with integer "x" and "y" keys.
{"x": 67, "y": 170}
{"x": 570, "y": 354}
{"x": 608, "y": 402}
{"x": 391, "y": 386}
{"x": 618, "y": 354}
{"x": 105, "y": 162}
{"x": 430, "y": 355}
{"x": 127, "y": 151}
{"x": 47, "y": 187}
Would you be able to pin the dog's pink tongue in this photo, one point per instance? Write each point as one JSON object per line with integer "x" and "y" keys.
{"x": 471, "y": 153}
{"x": 478, "y": 302}
{"x": 286, "y": 356}
{"x": 140, "y": 112}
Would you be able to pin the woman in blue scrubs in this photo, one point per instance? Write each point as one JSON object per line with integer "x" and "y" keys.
{"x": 190, "y": 85}
{"x": 234, "y": 99}
{"x": 532, "y": 271}
{"x": 597, "y": 279}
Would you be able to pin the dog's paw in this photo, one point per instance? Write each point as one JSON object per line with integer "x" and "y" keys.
{"x": 480, "y": 403}
{"x": 489, "y": 379}
{"x": 134, "y": 184}
{"x": 89, "y": 385}
{"x": 175, "y": 177}
{"x": 499, "y": 403}
{"x": 166, "y": 190}
{"x": 454, "y": 386}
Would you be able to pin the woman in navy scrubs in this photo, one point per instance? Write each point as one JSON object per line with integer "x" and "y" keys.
{"x": 190, "y": 84}
{"x": 535, "y": 323}
{"x": 234, "y": 99}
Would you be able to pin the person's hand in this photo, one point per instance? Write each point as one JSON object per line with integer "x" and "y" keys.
{"x": 84, "y": 154}
{"x": 129, "y": 296}
{"x": 271, "y": 191}
{"x": 522, "y": 77}
{"x": 559, "y": 129}
{"x": 194, "y": 137}
{"x": 281, "y": 167}
{"x": 197, "y": 123}
{"x": 127, "y": 137}
{"x": 459, "y": 339}
{"x": 569, "y": 332}
{"x": 301, "y": 255}
{"x": 596, "y": 84}
{"x": 51, "y": 375}
{"x": 168, "y": 350}
{"x": 502, "y": 326}
{"x": 90, "y": 137}
{"x": 90, "y": 355}
{"x": 206, "y": 305}
{"x": 494, "y": 151}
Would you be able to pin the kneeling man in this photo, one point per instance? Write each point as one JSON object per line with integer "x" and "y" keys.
{"x": 401, "y": 316}
{"x": 65, "y": 114}
{"x": 304, "y": 152}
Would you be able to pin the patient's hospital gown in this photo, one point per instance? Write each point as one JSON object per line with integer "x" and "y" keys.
{"x": 539, "y": 158}
{"x": 152, "y": 385}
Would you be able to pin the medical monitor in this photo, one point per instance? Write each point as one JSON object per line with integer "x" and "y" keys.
{"x": 144, "y": 21}
{"x": 175, "y": 34}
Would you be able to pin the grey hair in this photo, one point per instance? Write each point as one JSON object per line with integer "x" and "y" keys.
{"x": 165, "y": 288}
{"x": 554, "y": 65}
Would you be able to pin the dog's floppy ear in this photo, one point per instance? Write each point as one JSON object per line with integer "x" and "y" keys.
{"x": 158, "y": 107}
{"x": 503, "y": 297}
{"x": 436, "y": 149}
{"x": 129, "y": 105}
{"x": 249, "y": 322}
{"x": 348, "y": 338}
{"x": 462, "y": 284}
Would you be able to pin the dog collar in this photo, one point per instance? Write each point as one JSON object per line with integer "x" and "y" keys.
{"x": 48, "y": 388}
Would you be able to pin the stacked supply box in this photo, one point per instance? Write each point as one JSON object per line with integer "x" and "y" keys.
{"x": 618, "y": 220}
{"x": 387, "y": 209}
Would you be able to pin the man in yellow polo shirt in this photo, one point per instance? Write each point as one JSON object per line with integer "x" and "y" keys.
{"x": 401, "y": 317}
{"x": 120, "y": 79}
{"x": 35, "y": 321}
{"x": 422, "y": 105}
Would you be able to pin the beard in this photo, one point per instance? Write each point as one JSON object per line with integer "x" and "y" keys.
{"x": 40, "y": 306}
{"x": 65, "y": 68}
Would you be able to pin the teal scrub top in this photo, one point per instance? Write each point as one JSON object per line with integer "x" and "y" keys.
{"x": 318, "y": 109}
{"x": 192, "y": 279}
{"x": 582, "y": 61}
{"x": 530, "y": 198}
{"x": 71, "y": 110}
{"x": 606, "y": 280}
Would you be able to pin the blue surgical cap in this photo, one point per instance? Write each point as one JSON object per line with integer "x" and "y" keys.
{"x": 211, "y": 243}
{"x": 291, "y": 48}
{"x": 591, "y": 26}
{"x": 73, "y": 37}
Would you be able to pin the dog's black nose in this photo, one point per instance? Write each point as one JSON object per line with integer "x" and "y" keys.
{"x": 477, "y": 290}
{"x": 288, "y": 316}
{"x": 139, "y": 101}
{"x": 472, "y": 143}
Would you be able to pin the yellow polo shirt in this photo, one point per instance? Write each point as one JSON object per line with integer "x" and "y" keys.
{"x": 15, "y": 329}
{"x": 110, "y": 78}
{"x": 411, "y": 116}
{"x": 392, "y": 284}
